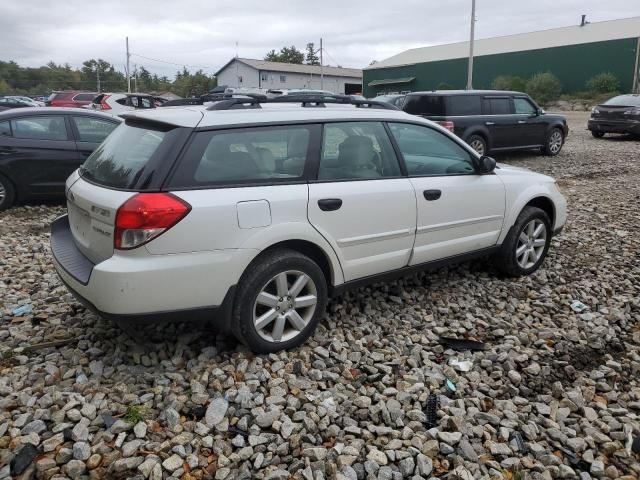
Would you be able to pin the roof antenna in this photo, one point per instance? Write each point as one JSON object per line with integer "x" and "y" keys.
{"x": 584, "y": 21}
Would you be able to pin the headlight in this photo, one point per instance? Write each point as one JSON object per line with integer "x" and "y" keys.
{"x": 595, "y": 110}
{"x": 633, "y": 111}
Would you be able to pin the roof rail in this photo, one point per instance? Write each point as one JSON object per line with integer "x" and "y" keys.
{"x": 254, "y": 100}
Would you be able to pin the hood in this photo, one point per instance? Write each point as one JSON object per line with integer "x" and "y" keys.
{"x": 503, "y": 169}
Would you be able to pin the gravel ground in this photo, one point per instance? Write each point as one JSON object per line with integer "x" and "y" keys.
{"x": 81, "y": 399}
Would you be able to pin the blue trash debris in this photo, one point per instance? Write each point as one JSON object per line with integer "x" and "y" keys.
{"x": 22, "y": 310}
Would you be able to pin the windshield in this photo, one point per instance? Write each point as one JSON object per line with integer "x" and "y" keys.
{"x": 624, "y": 101}
{"x": 119, "y": 161}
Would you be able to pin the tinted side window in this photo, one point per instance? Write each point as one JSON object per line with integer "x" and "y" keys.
{"x": 5, "y": 129}
{"x": 497, "y": 106}
{"x": 245, "y": 156}
{"x": 429, "y": 152}
{"x": 524, "y": 106}
{"x": 40, "y": 128}
{"x": 357, "y": 150}
{"x": 424, "y": 105}
{"x": 464, "y": 105}
{"x": 93, "y": 129}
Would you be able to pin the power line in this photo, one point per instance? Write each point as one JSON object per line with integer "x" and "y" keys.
{"x": 171, "y": 63}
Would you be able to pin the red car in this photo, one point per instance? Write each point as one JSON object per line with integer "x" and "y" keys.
{"x": 70, "y": 98}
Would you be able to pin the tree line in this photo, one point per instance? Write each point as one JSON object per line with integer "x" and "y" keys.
{"x": 15, "y": 79}
{"x": 293, "y": 55}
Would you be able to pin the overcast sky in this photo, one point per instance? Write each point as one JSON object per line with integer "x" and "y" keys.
{"x": 204, "y": 33}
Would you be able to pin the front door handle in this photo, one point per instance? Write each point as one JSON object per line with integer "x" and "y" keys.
{"x": 489, "y": 123}
{"x": 522, "y": 121}
{"x": 329, "y": 204}
{"x": 432, "y": 195}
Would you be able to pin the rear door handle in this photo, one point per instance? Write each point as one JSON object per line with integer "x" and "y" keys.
{"x": 522, "y": 121}
{"x": 329, "y": 204}
{"x": 489, "y": 123}
{"x": 7, "y": 150}
{"x": 432, "y": 195}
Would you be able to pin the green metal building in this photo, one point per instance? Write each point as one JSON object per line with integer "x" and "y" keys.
{"x": 573, "y": 54}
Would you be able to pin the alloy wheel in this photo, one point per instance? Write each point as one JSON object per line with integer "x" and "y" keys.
{"x": 555, "y": 142}
{"x": 531, "y": 243}
{"x": 478, "y": 146}
{"x": 285, "y": 306}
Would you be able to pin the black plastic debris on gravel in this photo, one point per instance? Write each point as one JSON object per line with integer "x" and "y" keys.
{"x": 23, "y": 459}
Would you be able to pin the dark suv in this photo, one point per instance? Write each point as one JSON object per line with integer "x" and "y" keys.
{"x": 491, "y": 120}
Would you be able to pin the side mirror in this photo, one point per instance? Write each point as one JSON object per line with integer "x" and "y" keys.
{"x": 486, "y": 164}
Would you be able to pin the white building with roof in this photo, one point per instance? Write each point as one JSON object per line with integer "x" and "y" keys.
{"x": 250, "y": 73}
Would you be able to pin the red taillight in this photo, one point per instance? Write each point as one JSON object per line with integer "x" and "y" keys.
{"x": 103, "y": 103}
{"x": 448, "y": 124}
{"x": 145, "y": 216}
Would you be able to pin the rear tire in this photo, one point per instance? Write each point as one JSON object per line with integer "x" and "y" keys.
{"x": 478, "y": 143}
{"x": 281, "y": 297}
{"x": 7, "y": 193}
{"x": 525, "y": 248}
{"x": 553, "y": 143}
{"x": 597, "y": 134}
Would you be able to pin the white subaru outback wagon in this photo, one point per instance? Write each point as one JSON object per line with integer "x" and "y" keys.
{"x": 254, "y": 212}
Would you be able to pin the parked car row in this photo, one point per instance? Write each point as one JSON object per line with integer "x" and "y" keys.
{"x": 492, "y": 121}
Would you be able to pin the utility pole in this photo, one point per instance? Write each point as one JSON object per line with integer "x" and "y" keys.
{"x": 135, "y": 77}
{"x": 321, "y": 67}
{"x": 635, "y": 88}
{"x": 98, "y": 74}
{"x": 128, "y": 72}
{"x": 471, "y": 40}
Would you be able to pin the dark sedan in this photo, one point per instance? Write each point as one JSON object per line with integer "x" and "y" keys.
{"x": 619, "y": 114}
{"x": 41, "y": 147}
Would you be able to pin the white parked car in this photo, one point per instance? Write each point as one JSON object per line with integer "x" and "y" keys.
{"x": 116, "y": 103}
{"x": 255, "y": 213}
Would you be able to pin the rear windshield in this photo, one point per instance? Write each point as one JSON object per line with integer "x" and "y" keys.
{"x": 624, "y": 100}
{"x": 430, "y": 105}
{"x": 119, "y": 161}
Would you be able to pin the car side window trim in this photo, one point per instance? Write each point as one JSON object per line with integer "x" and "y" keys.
{"x": 460, "y": 143}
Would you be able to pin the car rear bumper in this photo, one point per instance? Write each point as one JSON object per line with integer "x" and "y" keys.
{"x": 614, "y": 126}
{"x": 138, "y": 286}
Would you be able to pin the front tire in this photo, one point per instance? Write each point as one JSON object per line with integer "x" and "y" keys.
{"x": 281, "y": 298}
{"x": 7, "y": 193}
{"x": 478, "y": 143}
{"x": 526, "y": 245}
{"x": 553, "y": 143}
{"x": 597, "y": 134}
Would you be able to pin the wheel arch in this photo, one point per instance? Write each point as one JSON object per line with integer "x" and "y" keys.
{"x": 311, "y": 250}
{"x": 534, "y": 196}
{"x": 546, "y": 205}
{"x": 482, "y": 132}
